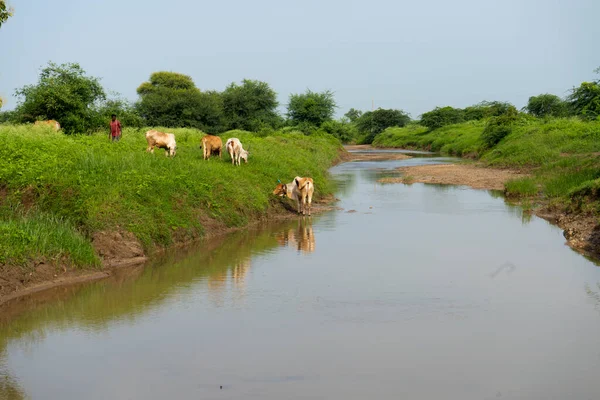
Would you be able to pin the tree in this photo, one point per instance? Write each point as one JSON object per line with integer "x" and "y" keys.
{"x": 585, "y": 100}
{"x": 353, "y": 114}
{"x": 546, "y": 105}
{"x": 441, "y": 116}
{"x": 311, "y": 108}
{"x": 171, "y": 99}
{"x": 343, "y": 130}
{"x": 5, "y": 12}
{"x": 372, "y": 123}
{"x": 498, "y": 127}
{"x": 63, "y": 93}
{"x": 251, "y": 106}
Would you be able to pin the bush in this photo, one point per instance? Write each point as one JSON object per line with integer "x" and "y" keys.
{"x": 443, "y": 116}
{"x": 499, "y": 127}
{"x": 344, "y": 131}
{"x": 546, "y": 105}
{"x": 372, "y": 123}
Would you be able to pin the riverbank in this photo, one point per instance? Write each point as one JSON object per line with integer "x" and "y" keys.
{"x": 74, "y": 208}
{"x": 555, "y": 163}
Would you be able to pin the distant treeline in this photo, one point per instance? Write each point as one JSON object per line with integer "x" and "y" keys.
{"x": 79, "y": 102}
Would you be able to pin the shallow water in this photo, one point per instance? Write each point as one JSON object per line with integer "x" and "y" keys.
{"x": 421, "y": 291}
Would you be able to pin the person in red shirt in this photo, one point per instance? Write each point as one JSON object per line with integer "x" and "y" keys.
{"x": 115, "y": 129}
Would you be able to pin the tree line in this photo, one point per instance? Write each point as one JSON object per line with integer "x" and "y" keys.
{"x": 79, "y": 102}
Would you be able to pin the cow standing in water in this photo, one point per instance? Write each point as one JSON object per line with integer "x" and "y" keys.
{"x": 301, "y": 190}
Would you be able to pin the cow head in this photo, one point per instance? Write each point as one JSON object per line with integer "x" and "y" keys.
{"x": 244, "y": 156}
{"x": 280, "y": 190}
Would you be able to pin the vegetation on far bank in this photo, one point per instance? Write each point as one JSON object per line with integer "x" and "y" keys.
{"x": 58, "y": 190}
{"x": 562, "y": 155}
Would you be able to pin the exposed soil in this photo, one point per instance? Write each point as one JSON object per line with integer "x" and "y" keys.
{"x": 360, "y": 153}
{"x": 472, "y": 175}
{"x": 121, "y": 252}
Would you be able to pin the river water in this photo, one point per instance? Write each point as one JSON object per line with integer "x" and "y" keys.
{"x": 411, "y": 291}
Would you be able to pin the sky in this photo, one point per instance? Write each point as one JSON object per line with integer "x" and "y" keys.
{"x": 410, "y": 55}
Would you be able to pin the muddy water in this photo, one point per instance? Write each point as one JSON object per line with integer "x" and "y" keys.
{"x": 420, "y": 292}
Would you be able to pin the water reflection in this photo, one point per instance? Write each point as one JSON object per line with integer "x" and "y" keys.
{"x": 301, "y": 237}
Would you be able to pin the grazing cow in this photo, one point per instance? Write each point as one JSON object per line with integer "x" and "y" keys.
{"x": 51, "y": 123}
{"x": 211, "y": 145}
{"x": 236, "y": 151}
{"x": 301, "y": 190}
{"x": 162, "y": 141}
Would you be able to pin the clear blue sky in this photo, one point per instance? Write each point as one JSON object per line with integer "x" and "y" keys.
{"x": 412, "y": 55}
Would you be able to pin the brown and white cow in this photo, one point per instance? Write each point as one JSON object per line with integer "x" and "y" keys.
{"x": 236, "y": 151}
{"x": 301, "y": 190}
{"x": 211, "y": 145}
{"x": 162, "y": 141}
{"x": 51, "y": 123}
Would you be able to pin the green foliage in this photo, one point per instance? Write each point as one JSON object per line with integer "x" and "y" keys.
{"x": 353, "y": 114}
{"x": 5, "y": 12}
{"x": 63, "y": 93}
{"x": 546, "y": 105}
{"x": 311, "y": 108}
{"x": 251, "y": 106}
{"x": 372, "y": 123}
{"x": 125, "y": 111}
{"x": 522, "y": 187}
{"x": 343, "y": 130}
{"x": 585, "y": 100}
{"x": 498, "y": 127}
{"x": 439, "y": 117}
{"x": 85, "y": 184}
{"x": 171, "y": 99}
{"x": 460, "y": 140}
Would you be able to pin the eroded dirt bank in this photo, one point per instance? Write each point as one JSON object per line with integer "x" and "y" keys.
{"x": 581, "y": 231}
{"x": 121, "y": 250}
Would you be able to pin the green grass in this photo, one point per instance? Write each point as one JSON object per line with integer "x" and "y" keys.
{"x": 460, "y": 140}
{"x": 562, "y": 154}
{"x": 85, "y": 184}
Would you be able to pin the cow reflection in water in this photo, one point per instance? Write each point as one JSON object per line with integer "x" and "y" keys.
{"x": 235, "y": 274}
{"x": 301, "y": 237}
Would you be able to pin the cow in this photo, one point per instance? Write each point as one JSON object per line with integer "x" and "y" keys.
{"x": 211, "y": 144}
{"x": 162, "y": 141}
{"x": 51, "y": 123}
{"x": 236, "y": 151}
{"x": 301, "y": 190}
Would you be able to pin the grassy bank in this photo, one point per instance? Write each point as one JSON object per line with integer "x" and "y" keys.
{"x": 560, "y": 154}
{"x": 57, "y": 191}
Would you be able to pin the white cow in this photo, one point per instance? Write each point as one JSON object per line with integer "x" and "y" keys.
{"x": 236, "y": 151}
{"x": 162, "y": 141}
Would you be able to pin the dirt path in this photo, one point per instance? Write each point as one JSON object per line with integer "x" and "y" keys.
{"x": 475, "y": 176}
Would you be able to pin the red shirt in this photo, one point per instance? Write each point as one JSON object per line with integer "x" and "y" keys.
{"x": 115, "y": 127}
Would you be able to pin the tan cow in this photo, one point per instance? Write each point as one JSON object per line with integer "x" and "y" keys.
{"x": 301, "y": 190}
{"x": 162, "y": 141}
{"x": 51, "y": 123}
{"x": 211, "y": 144}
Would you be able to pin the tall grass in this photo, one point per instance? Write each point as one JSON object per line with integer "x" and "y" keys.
{"x": 89, "y": 184}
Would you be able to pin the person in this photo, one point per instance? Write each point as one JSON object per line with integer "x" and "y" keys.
{"x": 115, "y": 128}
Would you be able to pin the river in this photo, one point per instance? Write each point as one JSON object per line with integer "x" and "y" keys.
{"x": 407, "y": 291}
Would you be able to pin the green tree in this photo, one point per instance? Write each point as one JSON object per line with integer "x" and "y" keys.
{"x": 171, "y": 99}
{"x": 5, "y": 12}
{"x": 251, "y": 106}
{"x": 498, "y": 127}
{"x": 585, "y": 100}
{"x": 344, "y": 130}
{"x": 441, "y": 116}
{"x": 546, "y": 105}
{"x": 311, "y": 108}
{"x": 372, "y": 123}
{"x": 353, "y": 114}
{"x": 63, "y": 93}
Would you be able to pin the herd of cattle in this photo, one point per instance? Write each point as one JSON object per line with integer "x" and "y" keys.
{"x": 301, "y": 189}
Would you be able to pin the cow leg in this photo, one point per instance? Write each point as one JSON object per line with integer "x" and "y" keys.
{"x": 298, "y": 203}
{"x": 309, "y": 203}
{"x": 303, "y": 203}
